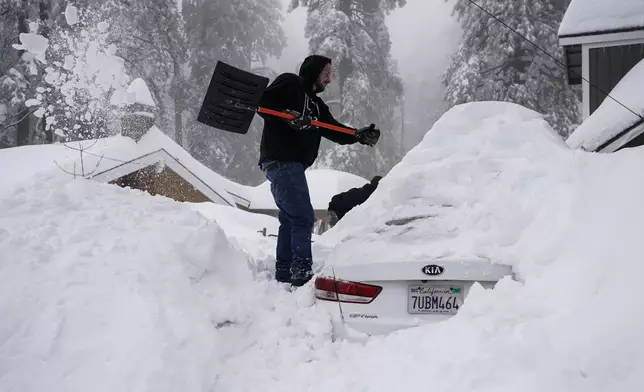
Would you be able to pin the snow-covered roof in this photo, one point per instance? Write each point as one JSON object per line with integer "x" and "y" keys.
{"x": 155, "y": 140}
{"x": 611, "y": 119}
{"x": 323, "y": 185}
{"x": 589, "y": 17}
{"x": 117, "y": 154}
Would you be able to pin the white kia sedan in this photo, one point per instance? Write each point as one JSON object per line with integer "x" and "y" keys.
{"x": 379, "y": 298}
{"x": 453, "y": 213}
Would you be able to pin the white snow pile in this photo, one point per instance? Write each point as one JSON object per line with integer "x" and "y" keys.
{"x": 595, "y": 16}
{"x": 568, "y": 221}
{"x": 103, "y": 288}
{"x": 109, "y": 289}
{"x": 487, "y": 181}
{"x": 611, "y": 118}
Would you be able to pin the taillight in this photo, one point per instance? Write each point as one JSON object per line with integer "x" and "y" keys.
{"x": 329, "y": 289}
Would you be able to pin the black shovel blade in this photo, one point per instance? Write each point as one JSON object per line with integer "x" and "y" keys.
{"x": 232, "y": 96}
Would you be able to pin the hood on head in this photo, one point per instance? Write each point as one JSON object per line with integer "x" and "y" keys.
{"x": 311, "y": 68}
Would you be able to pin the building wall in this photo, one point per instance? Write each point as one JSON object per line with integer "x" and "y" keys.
{"x": 164, "y": 182}
{"x": 607, "y": 66}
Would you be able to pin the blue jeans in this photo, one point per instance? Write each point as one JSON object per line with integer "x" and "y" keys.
{"x": 291, "y": 194}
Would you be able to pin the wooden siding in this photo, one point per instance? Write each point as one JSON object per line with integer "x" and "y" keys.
{"x": 607, "y": 66}
{"x": 163, "y": 182}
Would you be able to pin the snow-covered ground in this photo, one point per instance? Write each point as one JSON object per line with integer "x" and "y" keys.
{"x": 103, "y": 288}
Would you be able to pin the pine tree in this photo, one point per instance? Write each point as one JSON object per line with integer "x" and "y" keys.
{"x": 152, "y": 40}
{"x": 494, "y": 63}
{"x": 17, "y": 77}
{"x": 243, "y": 34}
{"x": 354, "y": 35}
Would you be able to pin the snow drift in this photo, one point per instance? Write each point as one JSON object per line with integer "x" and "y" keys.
{"x": 103, "y": 288}
{"x": 568, "y": 221}
{"x": 487, "y": 178}
{"x": 107, "y": 289}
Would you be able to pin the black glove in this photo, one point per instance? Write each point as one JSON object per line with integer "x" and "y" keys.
{"x": 368, "y": 135}
{"x": 301, "y": 122}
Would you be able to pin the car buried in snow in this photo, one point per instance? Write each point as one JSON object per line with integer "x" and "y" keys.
{"x": 392, "y": 283}
{"x": 444, "y": 220}
{"x": 380, "y": 298}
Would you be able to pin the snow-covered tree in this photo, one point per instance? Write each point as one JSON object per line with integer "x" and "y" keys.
{"x": 18, "y": 67}
{"x": 494, "y": 63}
{"x": 152, "y": 40}
{"x": 243, "y": 34}
{"x": 353, "y": 33}
{"x": 78, "y": 72}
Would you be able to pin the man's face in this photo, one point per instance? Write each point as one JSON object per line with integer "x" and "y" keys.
{"x": 324, "y": 78}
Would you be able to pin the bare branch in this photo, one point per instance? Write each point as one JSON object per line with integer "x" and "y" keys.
{"x": 96, "y": 167}
{"x": 71, "y": 174}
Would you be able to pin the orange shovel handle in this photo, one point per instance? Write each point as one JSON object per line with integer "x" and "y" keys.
{"x": 316, "y": 123}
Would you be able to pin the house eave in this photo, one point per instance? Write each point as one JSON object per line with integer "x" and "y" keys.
{"x": 615, "y": 35}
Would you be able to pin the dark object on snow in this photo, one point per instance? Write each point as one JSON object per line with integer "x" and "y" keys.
{"x": 344, "y": 202}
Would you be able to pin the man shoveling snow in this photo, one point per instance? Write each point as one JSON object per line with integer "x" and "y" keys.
{"x": 288, "y": 148}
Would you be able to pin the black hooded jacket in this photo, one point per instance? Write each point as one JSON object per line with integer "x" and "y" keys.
{"x": 289, "y": 91}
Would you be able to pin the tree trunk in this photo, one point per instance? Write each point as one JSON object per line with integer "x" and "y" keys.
{"x": 23, "y": 136}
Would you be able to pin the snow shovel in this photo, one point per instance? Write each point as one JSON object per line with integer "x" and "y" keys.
{"x": 233, "y": 99}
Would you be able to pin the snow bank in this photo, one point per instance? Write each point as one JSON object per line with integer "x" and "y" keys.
{"x": 105, "y": 289}
{"x": 611, "y": 118}
{"x": 574, "y": 222}
{"x": 245, "y": 231}
{"x": 595, "y": 16}
{"x": 486, "y": 175}
{"x": 109, "y": 289}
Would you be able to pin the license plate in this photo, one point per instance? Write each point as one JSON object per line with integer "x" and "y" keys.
{"x": 434, "y": 299}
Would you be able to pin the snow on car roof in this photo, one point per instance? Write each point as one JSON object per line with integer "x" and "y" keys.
{"x": 482, "y": 176}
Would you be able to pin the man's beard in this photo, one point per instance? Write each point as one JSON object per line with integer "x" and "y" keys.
{"x": 318, "y": 87}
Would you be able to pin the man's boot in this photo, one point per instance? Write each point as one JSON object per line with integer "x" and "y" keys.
{"x": 301, "y": 272}
{"x": 283, "y": 271}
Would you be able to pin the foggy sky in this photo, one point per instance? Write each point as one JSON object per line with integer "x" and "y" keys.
{"x": 423, "y": 35}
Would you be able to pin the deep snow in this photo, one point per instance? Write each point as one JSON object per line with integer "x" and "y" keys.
{"x": 487, "y": 181}
{"x": 103, "y": 288}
